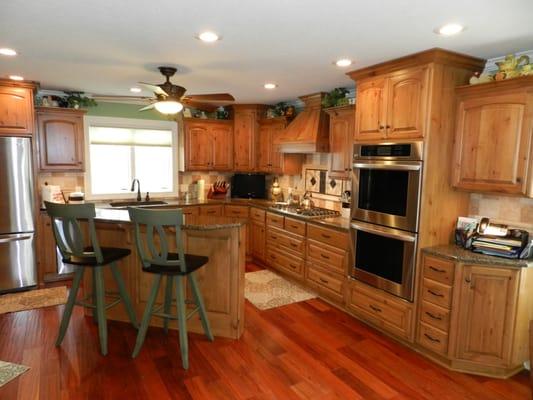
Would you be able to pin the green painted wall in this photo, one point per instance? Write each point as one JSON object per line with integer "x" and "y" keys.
{"x": 121, "y": 110}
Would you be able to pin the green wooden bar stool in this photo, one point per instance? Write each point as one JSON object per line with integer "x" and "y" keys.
{"x": 156, "y": 259}
{"x": 72, "y": 245}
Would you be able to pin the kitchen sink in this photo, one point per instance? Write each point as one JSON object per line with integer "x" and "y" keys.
{"x": 137, "y": 203}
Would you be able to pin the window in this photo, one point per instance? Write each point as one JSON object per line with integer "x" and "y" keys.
{"x": 120, "y": 150}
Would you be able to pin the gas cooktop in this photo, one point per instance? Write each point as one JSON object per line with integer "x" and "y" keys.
{"x": 311, "y": 213}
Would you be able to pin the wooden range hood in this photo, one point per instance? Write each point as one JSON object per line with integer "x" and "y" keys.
{"x": 309, "y": 132}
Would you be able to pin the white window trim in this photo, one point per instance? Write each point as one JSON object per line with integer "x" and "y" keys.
{"x": 131, "y": 123}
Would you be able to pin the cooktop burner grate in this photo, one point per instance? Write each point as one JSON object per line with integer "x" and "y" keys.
{"x": 315, "y": 212}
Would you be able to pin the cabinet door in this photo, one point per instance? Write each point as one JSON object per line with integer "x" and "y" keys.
{"x": 487, "y": 314}
{"x": 222, "y": 147}
{"x": 340, "y": 143}
{"x": 244, "y": 140}
{"x": 60, "y": 142}
{"x": 407, "y": 96}
{"x": 199, "y": 154}
{"x": 16, "y": 111}
{"x": 47, "y": 248}
{"x": 492, "y": 144}
{"x": 370, "y": 110}
{"x": 276, "y": 157}
{"x": 263, "y": 157}
{"x": 257, "y": 240}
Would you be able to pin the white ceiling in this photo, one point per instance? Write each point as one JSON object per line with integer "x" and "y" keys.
{"x": 106, "y": 46}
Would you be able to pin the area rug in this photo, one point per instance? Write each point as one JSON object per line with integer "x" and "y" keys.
{"x": 33, "y": 299}
{"x": 9, "y": 371}
{"x": 264, "y": 289}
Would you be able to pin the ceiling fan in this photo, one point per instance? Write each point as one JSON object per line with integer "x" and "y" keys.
{"x": 170, "y": 99}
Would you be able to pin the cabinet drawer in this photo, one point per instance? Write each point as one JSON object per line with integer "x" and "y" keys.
{"x": 276, "y": 237}
{"x": 432, "y": 339}
{"x": 439, "y": 270}
{"x": 325, "y": 280}
{"x": 295, "y": 226}
{"x": 274, "y": 220}
{"x": 292, "y": 265}
{"x": 257, "y": 215}
{"x": 328, "y": 236}
{"x": 328, "y": 255}
{"x": 236, "y": 211}
{"x": 435, "y": 316}
{"x": 437, "y": 293}
{"x": 215, "y": 211}
{"x": 191, "y": 211}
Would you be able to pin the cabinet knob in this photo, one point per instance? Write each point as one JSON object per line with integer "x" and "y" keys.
{"x": 381, "y": 127}
{"x": 518, "y": 180}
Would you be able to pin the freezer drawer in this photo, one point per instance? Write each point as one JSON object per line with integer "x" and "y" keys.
{"x": 18, "y": 269}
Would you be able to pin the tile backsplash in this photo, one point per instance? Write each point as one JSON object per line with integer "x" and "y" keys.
{"x": 514, "y": 211}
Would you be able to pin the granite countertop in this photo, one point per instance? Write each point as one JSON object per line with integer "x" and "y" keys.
{"x": 190, "y": 222}
{"x": 457, "y": 253}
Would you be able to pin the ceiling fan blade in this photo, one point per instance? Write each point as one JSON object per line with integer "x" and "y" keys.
{"x": 148, "y": 107}
{"x": 154, "y": 88}
{"x": 220, "y": 97}
{"x": 199, "y": 105}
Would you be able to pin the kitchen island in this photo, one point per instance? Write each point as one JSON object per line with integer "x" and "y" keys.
{"x": 221, "y": 280}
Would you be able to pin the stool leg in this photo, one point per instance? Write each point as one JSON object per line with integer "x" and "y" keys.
{"x": 124, "y": 294}
{"x": 182, "y": 321}
{"x": 146, "y": 316}
{"x": 201, "y": 307}
{"x": 71, "y": 301}
{"x": 100, "y": 309}
{"x": 95, "y": 317}
{"x": 168, "y": 300}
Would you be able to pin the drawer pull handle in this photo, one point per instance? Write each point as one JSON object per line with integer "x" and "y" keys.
{"x": 273, "y": 237}
{"x": 324, "y": 256}
{"x": 323, "y": 280}
{"x": 376, "y": 309}
{"x": 326, "y": 236}
{"x": 294, "y": 226}
{"x": 294, "y": 245}
{"x": 440, "y": 271}
{"x": 434, "y": 316}
{"x": 435, "y": 294}
{"x": 273, "y": 257}
{"x": 293, "y": 266}
{"x": 432, "y": 338}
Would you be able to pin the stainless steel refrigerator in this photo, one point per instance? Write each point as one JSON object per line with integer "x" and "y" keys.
{"x": 18, "y": 269}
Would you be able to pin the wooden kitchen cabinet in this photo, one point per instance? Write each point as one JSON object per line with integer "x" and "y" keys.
{"x": 257, "y": 240}
{"x": 16, "y": 108}
{"x": 246, "y": 135}
{"x": 341, "y": 123}
{"x": 208, "y": 145}
{"x": 269, "y": 159}
{"x": 392, "y": 106}
{"x": 46, "y": 259}
{"x": 493, "y": 137}
{"x": 61, "y": 139}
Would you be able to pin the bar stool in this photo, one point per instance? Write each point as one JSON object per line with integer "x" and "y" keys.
{"x": 71, "y": 243}
{"x": 156, "y": 259}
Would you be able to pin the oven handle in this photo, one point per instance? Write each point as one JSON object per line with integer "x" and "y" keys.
{"x": 382, "y": 165}
{"x": 382, "y": 231}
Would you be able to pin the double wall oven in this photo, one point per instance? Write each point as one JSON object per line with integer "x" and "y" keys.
{"x": 386, "y": 187}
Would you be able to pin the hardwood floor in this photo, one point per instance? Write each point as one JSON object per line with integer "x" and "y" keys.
{"x": 306, "y": 350}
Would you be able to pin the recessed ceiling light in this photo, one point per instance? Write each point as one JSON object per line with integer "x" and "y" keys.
{"x": 450, "y": 29}
{"x": 208, "y": 37}
{"x": 343, "y": 62}
{"x": 135, "y": 90}
{"x": 270, "y": 86}
{"x": 5, "y": 51}
{"x": 16, "y": 77}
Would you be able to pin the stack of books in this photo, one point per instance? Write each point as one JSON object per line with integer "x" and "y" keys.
{"x": 506, "y": 246}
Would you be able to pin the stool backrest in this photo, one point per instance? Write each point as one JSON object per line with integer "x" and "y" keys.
{"x": 147, "y": 222}
{"x": 68, "y": 234}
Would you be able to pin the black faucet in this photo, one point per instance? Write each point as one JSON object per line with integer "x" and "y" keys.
{"x": 138, "y": 188}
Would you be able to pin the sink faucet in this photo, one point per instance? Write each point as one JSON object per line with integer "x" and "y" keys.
{"x": 138, "y": 188}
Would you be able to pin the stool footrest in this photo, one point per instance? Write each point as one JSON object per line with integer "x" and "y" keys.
{"x": 115, "y": 296}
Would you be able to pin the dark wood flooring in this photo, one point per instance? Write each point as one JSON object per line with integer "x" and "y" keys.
{"x": 306, "y": 350}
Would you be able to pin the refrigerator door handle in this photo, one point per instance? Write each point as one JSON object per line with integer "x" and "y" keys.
{"x": 14, "y": 238}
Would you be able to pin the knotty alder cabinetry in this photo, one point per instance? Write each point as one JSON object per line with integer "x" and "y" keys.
{"x": 16, "y": 108}
{"x": 208, "y": 145}
{"x": 246, "y": 135}
{"x": 341, "y": 122}
{"x": 61, "y": 139}
{"x": 474, "y": 318}
{"x": 493, "y": 137}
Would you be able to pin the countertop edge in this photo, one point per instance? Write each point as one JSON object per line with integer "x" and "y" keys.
{"x": 458, "y": 254}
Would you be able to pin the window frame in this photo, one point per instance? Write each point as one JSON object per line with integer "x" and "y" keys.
{"x": 130, "y": 123}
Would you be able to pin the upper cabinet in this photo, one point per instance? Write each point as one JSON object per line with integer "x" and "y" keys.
{"x": 493, "y": 137}
{"x": 341, "y": 122}
{"x": 392, "y": 106}
{"x": 16, "y": 108}
{"x": 208, "y": 145}
{"x": 245, "y": 136}
{"x": 60, "y": 140}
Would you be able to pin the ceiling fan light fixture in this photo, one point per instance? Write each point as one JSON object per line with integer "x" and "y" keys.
{"x": 208, "y": 37}
{"x": 168, "y": 107}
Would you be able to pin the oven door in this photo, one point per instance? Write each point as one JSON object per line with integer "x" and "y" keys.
{"x": 384, "y": 258}
{"x": 387, "y": 193}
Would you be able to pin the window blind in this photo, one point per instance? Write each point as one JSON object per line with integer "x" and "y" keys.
{"x": 129, "y": 137}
